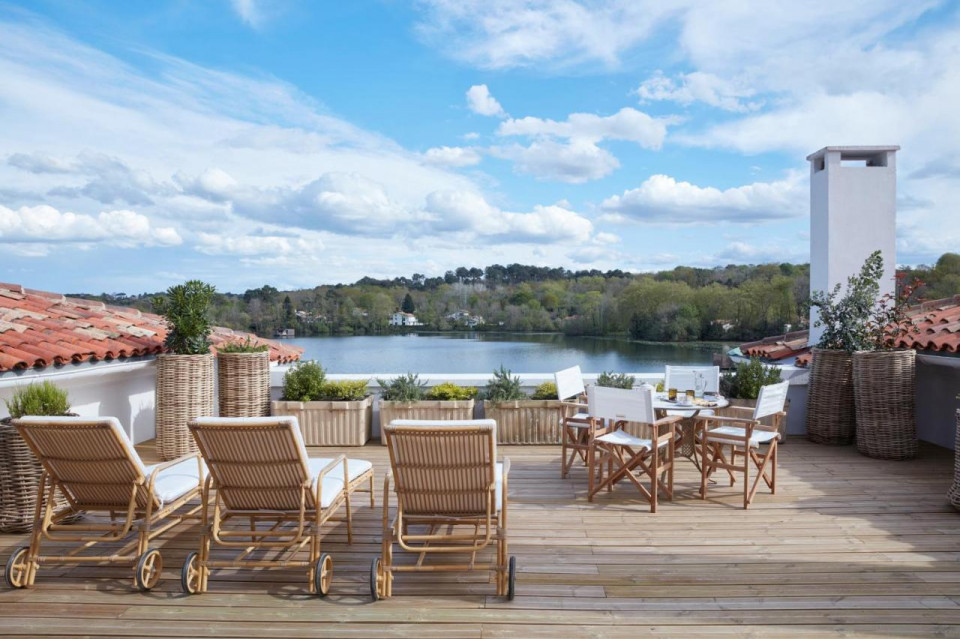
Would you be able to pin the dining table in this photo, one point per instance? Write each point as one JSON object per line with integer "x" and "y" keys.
{"x": 689, "y": 411}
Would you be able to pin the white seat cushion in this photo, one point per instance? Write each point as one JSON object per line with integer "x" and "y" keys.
{"x": 623, "y": 438}
{"x": 176, "y": 481}
{"x": 758, "y": 437}
{"x": 333, "y": 481}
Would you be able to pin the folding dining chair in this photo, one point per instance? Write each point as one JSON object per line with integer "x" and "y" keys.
{"x": 577, "y": 429}
{"x": 746, "y": 438}
{"x": 92, "y": 463}
{"x": 617, "y": 455}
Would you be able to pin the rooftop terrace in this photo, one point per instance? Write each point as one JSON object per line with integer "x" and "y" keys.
{"x": 849, "y": 546}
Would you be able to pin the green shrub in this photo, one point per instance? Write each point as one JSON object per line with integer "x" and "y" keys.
{"x": 403, "y": 388}
{"x": 246, "y": 346}
{"x": 450, "y": 392}
{"x": 348, "y": 390}
{"x": 41, "y": 398}
{"x": 616, "y": 380}
{"x": 745, "y": 380}
{"x": 503, "y": 387}
{"x": 185, "y": 309}
{"x": 304, "y": 382}
{"x": 546, "y": 390}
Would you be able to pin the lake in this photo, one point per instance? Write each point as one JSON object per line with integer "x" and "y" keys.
{"x": 483, "y": 352}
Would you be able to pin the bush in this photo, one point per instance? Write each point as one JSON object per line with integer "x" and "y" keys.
{"x": 403, "y": 388}
{"x": 344, "y": 391}
{"x": 503, "y": 387}
{"x": 304, "y": 382}
{"x": 546, "y": 390}
{"x": 42, "y": 398}
{"x": 616, "y": 380}
{"x": 745, "y": 380}
{"x": 246, "y": 346}
{"x": 185, "y": 309}
{"x": 450, "y": 392}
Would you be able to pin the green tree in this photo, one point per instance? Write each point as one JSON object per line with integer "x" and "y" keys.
{"x": 407, "y": 306}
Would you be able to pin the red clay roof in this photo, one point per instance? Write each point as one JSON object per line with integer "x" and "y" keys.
{"x": 40, "y": 329}
{"x": 937, "y": 326}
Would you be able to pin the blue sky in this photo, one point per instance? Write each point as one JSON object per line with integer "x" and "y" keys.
{"x": 297, "y": 143}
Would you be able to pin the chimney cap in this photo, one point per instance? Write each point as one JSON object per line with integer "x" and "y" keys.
{"x": 854, "y": 152}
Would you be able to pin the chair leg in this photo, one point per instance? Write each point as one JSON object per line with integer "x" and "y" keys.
{"x": 346, "y": 500}
{"x": 373, "y": 500}
{"x": 704, "y": 468}
{"x": 563, "y": 453}
{"x": 747, "y": 494}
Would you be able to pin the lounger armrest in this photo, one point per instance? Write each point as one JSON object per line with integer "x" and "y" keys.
{"x": 326, "y": 470}
{"x": 155, "y": 472}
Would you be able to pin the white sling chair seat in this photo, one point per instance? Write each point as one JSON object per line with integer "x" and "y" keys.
{"x": 757, "y": 438}
{"x": 623, "y": 438}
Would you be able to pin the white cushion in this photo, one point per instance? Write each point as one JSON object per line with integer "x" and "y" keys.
{"x": 332, "y": 481}
{"x": 498, "y": 494}
{"x": 177, "y": 480}
{"x": 623, "y": 438}
{"x": 355, "y": 468}
{"x": 758, "y": 437}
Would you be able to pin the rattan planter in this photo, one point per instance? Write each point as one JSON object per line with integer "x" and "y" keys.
{"x": 184, "y": 392}
{"x": 331, "y": 423}
{"x": 19, "y": 480}
{"x": 831, "y": 412}
{"x": 883, "y": 386}
{"x": 424, "y": 409}
{"x": 526, "y": 421}
{"x": 954, "y": 494}
{"x": 244, "y": 384}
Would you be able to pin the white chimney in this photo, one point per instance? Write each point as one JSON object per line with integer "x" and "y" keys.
{"x": 853, "y": 212}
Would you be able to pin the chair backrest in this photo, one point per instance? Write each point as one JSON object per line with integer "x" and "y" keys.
{"x": 569, "y": 382}
{"x": 443, "y": 466}
{"x": 683, "y": 377}
{"x": 90, "y": 457}
{"x": 618, "y": 404}
{"x": 771, "y": 399}
{"x": 258, "y": 463}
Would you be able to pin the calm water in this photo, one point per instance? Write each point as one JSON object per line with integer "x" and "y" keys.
{"x": 483, "y": 352}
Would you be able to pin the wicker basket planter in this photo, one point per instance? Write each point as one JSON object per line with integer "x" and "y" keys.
{"x": 184, "y": 391}
{"x": 19, "y": 480}
{"x": 425, "y": 409}
{"x": 526, "y": 421}
{"x": 883, "y": 385}
{"x": 831, "y": 412}
{"x": 954, "y": 494}
{"x": 244, "y": 384}
{"x": 329, "y": 423}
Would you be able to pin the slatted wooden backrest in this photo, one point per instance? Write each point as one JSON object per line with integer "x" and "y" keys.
{"x": 682, "y": 377}
{"x": 771, "y": 399}
{"x": 90, "y": 457}
{"x": 443, "y": 467}
{"x": 258, "y": 463}
{"x": 618, "y": 404}
{"x": 569, "y": 382}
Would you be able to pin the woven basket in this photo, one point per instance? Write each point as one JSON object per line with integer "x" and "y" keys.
{"x": 883, "y": 386}
{"x": 184, "y": 392}
{"x": 424, "y": 409}
{"x": 244, "y": 384}
{"x": 954, "y": 494}
{"x": 526, "y": 421}
{"x": 831, "y": 412}
{"x": 19, "y": 480}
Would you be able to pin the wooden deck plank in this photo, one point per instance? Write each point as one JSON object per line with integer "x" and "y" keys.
{"x": 849, "y": 546}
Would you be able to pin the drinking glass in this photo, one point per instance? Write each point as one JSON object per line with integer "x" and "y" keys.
{"x": 672, "y": 394}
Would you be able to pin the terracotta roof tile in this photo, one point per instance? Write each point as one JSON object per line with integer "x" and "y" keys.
{"x": 40, "y": 329}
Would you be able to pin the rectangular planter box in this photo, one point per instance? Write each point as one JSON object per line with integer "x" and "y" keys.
{"x": 766, "y": 421}
{"x": 425, "y": 409}
{"x": 526, "y": 421}
{"x": 331, "y": 423}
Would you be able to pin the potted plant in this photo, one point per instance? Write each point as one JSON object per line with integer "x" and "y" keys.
{"x": 520, "y": 419}
{"x": 243, "y": 376}
{"x": 185, "y": 374}
{"x": 831, "y": 409}
{"x": 19, "y": 469}
{"x": 883, "y": 381}
{"x": 406, "y": 397}
{"x": 609, "y": 379}
{"x": 330, "y": 413}
{"x": 742, "y": 385}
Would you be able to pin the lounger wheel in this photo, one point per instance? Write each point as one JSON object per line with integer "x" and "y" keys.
{"x": 148, "y": 570}
{"x": 511, "y": 578}
{"x": 323, "y": 575}
{"x": 190, "y": 574}
{"x": 16, "y": 573}
{"x": 376, "y": 578}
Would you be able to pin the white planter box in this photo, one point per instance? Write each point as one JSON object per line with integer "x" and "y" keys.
{"x": 331, "y": 423}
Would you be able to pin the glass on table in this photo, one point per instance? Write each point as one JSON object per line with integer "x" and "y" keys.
{"x": 672, "y": 394}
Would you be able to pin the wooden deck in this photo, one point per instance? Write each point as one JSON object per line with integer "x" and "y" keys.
{"x": 851, "y": 546}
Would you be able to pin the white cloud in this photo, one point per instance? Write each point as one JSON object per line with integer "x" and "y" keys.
{"x": 452, "y": 156}
{"x": 256, "y": 245}
{"x": 575, "y": 162}
{"x": 698, "y": 86}
{"x": 247, "y": 10}
{"x": 626, "y": 124}
{"x": 756, "y": 253}
{"x": 662, "y": 198}
{"x": 44, "y": 224}
{"x": 480, "y": 101}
